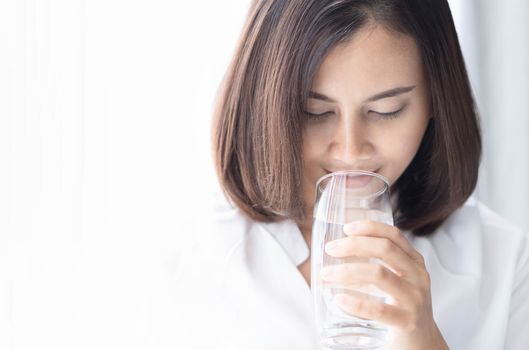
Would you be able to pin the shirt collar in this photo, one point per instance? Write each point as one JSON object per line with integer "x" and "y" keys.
{"x": 290, "y": 238}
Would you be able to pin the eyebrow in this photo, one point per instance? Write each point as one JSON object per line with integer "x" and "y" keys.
{"x": 384, "y": 94}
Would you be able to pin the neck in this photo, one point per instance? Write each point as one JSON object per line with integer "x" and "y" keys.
{"x": 306, "y": 230}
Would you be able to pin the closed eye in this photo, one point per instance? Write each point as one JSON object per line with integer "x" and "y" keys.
{"x": 388, "y": 115}
{"x": 382, "y": 115}
{"x": 313, "y": 116}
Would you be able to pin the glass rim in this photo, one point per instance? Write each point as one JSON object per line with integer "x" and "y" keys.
{"x": 364, "y": 172}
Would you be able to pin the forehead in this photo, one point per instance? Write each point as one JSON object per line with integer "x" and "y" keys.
{"x": 373, "y": 59}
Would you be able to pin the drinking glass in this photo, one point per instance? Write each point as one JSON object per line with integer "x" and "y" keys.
{"x": 343, "y": 197}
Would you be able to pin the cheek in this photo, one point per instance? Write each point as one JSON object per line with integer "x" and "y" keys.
{"x": 408, "y": 148}
{"x": 312, "y": 153}
{"x": 312, "y": 147}
{"x": 402, "y": 153}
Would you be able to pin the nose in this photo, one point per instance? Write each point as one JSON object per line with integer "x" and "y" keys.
{"x": 351, "y": 143}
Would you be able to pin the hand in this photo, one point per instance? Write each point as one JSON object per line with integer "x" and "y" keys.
{"x": 409, "y": 316}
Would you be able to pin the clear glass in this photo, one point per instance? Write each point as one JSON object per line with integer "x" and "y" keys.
{"x": 344, "y": 197}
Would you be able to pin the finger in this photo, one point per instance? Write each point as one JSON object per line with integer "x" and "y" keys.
{"x": 379, "y": 229}
{"x": 371, "y": 309}
{"x": 373, "y": 247}
{"x": 361, "y": 275}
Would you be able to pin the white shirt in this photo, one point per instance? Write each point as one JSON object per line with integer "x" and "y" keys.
{"x": 241, "y": 288}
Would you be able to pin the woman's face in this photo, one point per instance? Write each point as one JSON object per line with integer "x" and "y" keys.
{"x": 371, "y": 107}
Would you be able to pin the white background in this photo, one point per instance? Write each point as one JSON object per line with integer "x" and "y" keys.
{"x": 105, "y": 166}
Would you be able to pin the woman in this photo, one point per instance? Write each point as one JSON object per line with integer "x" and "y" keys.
{"x": 319, "y": 86}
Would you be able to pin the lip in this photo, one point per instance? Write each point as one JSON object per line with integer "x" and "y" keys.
{"x": 328, "y": 172}
{"x": 356, "y": 182}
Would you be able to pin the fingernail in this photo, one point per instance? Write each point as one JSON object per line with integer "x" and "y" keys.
{"x": 331, "y": 245}
{"x": 326, "y": 272}
{"x": 351, "y": 227}
{"x": 341, "y": 299}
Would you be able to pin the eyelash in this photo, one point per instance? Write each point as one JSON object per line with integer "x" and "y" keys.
{"x": 387, "y": 116}
{"x": 390, "y": 115}
{"x": 317, "y": 116}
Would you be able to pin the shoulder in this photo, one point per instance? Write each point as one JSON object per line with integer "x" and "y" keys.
{"x": 228, "y": 227}
{"x": 202, "y": 293}
{"x": 496, "y": 225}
{"x": 474, "y": 238}
{"x": 222, "y": 233}
{"x": 502, "y": 238}
{"x": 495, "y": 231}
{"x": 222, "y": 229}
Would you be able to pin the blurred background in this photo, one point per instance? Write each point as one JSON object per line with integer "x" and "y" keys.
{"x": 105, "y": 167}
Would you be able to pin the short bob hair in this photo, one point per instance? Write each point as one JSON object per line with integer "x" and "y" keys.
{"x": 259, "y": 116}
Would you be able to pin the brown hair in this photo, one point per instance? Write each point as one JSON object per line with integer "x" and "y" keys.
{"x": 259, "y": 115}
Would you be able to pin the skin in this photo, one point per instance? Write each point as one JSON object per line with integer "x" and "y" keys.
{"x": 355, "y": 133}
